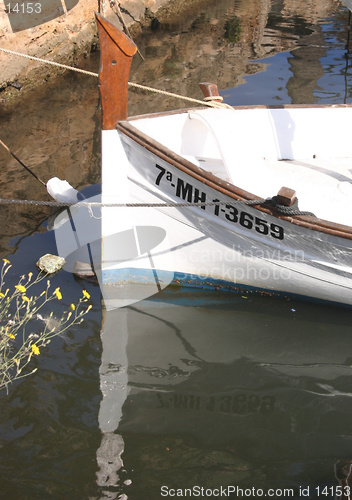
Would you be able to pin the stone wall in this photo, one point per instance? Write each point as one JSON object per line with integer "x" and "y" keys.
{"x": 66, "y": 39}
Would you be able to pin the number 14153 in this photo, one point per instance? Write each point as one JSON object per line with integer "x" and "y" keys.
{"x": 24, "y": 8}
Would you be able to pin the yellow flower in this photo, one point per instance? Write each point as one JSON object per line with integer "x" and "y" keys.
{"x": 6, "y": 261}
{"x": 25, "y": 298}
{"x": 86, "y": 294}
{"x": 21, "y": 288}
{"x": 73, "y": 307}
{"x": 2, "y": 295}
{"x": 35, "y": 349}
{"x": 58, "y": 293}
{"x": 30, "y": 276}
{"x": 10, "y": 336}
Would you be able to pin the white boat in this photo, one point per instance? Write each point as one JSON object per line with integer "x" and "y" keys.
{"x": 252, "y": 198}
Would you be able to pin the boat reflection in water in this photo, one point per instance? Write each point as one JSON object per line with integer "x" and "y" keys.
{"x": 211, "y": 389}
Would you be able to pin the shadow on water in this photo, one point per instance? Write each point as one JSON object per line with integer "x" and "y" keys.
{"x": 249, "y": 397}
{"x": 207, "y": 389}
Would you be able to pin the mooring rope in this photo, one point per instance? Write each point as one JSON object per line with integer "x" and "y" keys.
{"x": 268, "y": 202}
{"x": 21, "y": 162}
{"x": 211, "y": 103}
{"x": 125, "y": 205}
{"x": 53, "y": 63}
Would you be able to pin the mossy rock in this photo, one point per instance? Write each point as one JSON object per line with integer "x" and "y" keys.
{"x": 50, "y": 264}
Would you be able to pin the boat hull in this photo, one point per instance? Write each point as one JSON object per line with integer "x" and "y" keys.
{"x": 220, "y": 243}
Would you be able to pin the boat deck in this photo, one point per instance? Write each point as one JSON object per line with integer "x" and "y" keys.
{"x": 323, "y": 186}
{"x": 261, "y": 150}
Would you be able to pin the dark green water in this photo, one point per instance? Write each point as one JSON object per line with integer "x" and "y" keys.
{"x": 183, "y": 391}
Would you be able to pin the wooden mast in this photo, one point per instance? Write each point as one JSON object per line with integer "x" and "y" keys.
{"x": 116, "y": 52}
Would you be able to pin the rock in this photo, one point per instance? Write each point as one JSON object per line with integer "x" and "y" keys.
{"x": 84, "y": 271}
{"x": 16, "y": 84}
{"x": 50, "y": 264}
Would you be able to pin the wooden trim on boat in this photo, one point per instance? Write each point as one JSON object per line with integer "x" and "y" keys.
{"x": 239, "y": 108}
{"x": 224, "y": 187}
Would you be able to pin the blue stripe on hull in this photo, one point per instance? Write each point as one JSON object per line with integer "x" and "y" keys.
{"x": 187, "y": 281}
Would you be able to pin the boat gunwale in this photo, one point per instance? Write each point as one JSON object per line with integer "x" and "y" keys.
{"x": 226, "y": 188}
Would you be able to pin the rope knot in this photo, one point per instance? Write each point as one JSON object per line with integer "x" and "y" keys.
{"x": 217, "y": 98}
{"x": 284, "y": 209}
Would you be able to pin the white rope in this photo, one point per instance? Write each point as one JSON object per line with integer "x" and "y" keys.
{"x": 53, "y": 63}
{"x": 212, "y": 104}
